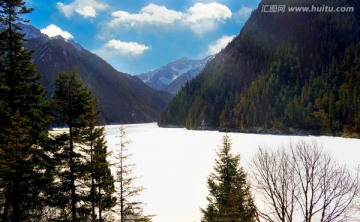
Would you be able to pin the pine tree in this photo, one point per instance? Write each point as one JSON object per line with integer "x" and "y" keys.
{"x": 230, "y": 199}
{"x": 24, "y": 176}
{"x": 71, "y": 103}
{"x": 130, "y": 208}
{"x": 85, "y": 182}
{"x": 101, "y": 181}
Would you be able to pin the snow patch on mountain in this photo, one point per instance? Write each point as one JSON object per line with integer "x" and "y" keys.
{"x": 163, "y": 77}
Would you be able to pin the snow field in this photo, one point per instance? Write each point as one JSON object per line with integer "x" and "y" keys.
{"x": 173, "y": 163}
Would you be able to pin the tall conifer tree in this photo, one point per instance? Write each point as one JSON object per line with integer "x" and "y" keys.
{"x": 69, "y": 101}
{"x": 99, "y": 178}
{"x": 230, "y": 199}
{"x": 85, "y": 181}
{"x": 23, "y": 122}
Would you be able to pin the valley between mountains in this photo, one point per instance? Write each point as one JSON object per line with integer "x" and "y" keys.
{"x": 73, "y": 129}
{"x": 307, "y": 83}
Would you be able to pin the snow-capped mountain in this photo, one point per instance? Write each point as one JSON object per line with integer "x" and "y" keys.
{"x": 122, "y": 98}
{"x": 174, "y": 75}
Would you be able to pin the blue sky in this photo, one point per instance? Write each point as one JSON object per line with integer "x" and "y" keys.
{"x": 136, "y": 36}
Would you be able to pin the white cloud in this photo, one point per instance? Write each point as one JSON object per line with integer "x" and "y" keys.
{"x": 52, "y": 31}
{"x": 127, "y": 48}
{"x": 87, "y": 11}
{"x": 243, "y": 14}
{"x": 201, "y": 18}
{"x": 85, "y": 8}
{"x": 118, "y": 48}
{"x": 219, "y": 44}
{"x": 204, "y": 17}
{"x": 151, "y": 14}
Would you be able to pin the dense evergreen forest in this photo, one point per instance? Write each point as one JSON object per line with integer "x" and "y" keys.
{"x": 51, "y": 176}
{"x": 285, "y": 72}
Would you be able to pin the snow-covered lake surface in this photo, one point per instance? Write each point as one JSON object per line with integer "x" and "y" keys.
{"x": 174, "y": 163}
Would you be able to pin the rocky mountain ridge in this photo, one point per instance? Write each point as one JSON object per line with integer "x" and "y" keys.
{"x": 172, "y": 76}
{"x": 122, "y": 98}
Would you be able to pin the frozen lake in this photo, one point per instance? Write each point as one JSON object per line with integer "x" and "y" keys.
{"x": 174, "y": 163}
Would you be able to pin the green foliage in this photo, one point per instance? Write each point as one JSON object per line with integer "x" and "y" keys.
{"x": 85, "y": 181}
{"x": 98, "y": 178}
{"x": 285, "y": 72}
{"x": 24, "y": 175}
{"x": 230, "y": 198}
{"x": 44, "y": 178}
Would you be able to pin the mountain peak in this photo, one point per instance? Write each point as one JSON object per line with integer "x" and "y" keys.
{"x": 179, "y": 71}
{"x": 183, "y": 59}
{"x": 284, "y": 73}
{"x": 116, "y": 93}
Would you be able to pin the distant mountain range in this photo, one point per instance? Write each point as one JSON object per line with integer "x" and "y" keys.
{"x": 285, "y": 72}
{"x": 122, "y": 98}
{"x": 172, "y": 76}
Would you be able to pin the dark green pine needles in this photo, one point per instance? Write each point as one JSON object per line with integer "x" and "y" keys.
{"x": 85, "y": 184}
{"x": 229, "y": 199}
{"x": 24, "y": 177}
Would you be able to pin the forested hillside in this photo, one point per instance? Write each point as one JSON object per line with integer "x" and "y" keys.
{"x": 122, "y": 97}
{"x": 285, "y": 72}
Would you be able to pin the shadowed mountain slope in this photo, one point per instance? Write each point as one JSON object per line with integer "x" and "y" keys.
{"x": 122, "y": 98}
{"x": 285, "y": 72}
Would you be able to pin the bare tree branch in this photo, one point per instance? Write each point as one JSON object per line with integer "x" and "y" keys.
{"x": 304, "y": 182}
